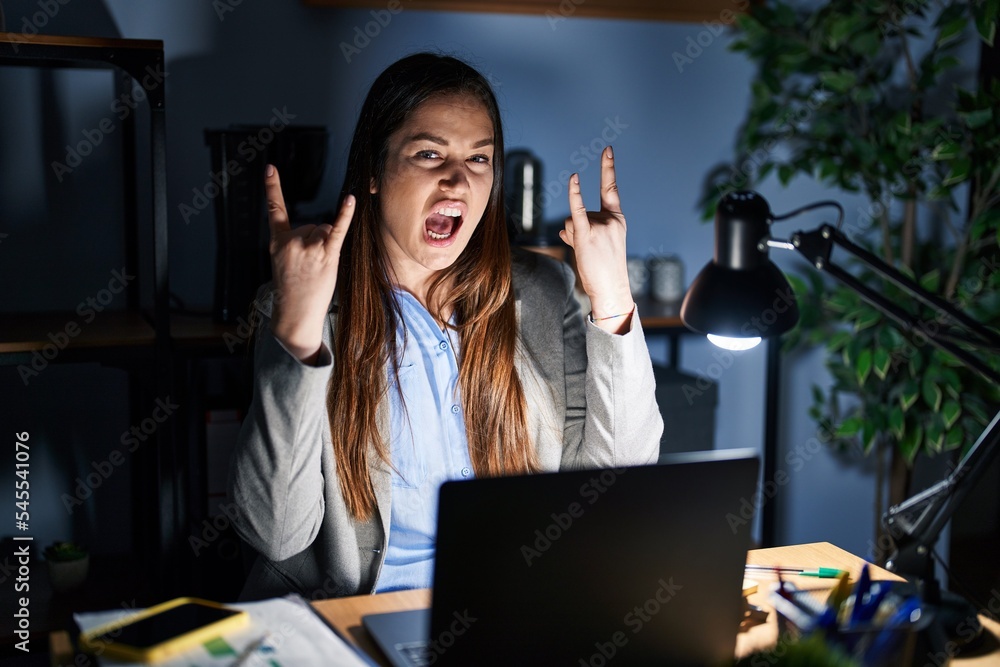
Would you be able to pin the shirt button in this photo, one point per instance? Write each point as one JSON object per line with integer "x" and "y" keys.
{"x": 466, "y": 472}
{"x": 443, "y": 345}
{"x": 454, "y": 409}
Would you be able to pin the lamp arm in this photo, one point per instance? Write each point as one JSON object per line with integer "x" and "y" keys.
{"x": 916, "y": 523}
{"x": 817, "y": 245}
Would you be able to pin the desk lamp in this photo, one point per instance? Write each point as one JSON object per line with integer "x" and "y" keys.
{"x": 741, "y": 296}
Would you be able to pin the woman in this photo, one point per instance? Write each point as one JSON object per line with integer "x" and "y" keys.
{"x": 406, "y": 344}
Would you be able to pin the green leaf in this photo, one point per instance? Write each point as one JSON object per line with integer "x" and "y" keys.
{"x": 986, "y": 21}
{"x": 849, "y": 427}
{"x": 866, "y": 43}
{"x": 897, "y": 422}
{"x": 946, "y": 63}
{"x": 866, "y": 319}
{"x": 864, "y": 366}
{"x": 934, "y": 436}
{"x": 909, "y": 395}
{"x": 839, "y": 340}
{"x": 909, "y": 445}
{"x": 950, "y": 413}
{"x": 785, "y": 173}
{"x": 954, "y": 438}
{"x": 869, "y": 436}
{"x": 951, "y": 30}
{"x": 882, "y": 360}
{"x": 932, "y": 393}
{"x": 959, "y": 172}
{"x": 903, "y": 123}
{"x": 931, "y": 281}
{"x": 978, "y": 118}
{"x": 988, "y": 219}
{"x": 946, "y": 150}
{"x": 839, "y": 82}
{"x": 840, "y": 29}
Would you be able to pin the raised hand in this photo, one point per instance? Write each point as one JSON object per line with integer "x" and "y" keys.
{"x": 598, "y": 241}
{"x": 304, "y": 265}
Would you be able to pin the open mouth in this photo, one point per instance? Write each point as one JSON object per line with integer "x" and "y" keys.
{"x": 444, "y": 222}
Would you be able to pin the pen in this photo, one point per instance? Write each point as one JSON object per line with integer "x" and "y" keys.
{"x": 244, "y": 655}
{"x": 820, "y": 572}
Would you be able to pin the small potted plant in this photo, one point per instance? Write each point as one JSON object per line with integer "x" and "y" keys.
{"x": 68, "y": 564}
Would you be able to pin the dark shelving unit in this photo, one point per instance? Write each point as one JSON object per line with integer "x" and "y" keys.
{"x": 137, "y": 339}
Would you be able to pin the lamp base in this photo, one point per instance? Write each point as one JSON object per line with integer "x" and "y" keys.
{"x": 957, "y": 617}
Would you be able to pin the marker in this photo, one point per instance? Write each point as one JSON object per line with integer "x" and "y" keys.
{"x": 820, "y": 572}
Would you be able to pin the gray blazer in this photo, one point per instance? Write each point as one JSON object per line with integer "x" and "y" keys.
{"x": 591, "y": 403}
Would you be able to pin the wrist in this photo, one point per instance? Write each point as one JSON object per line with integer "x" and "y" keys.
{"x": 302, "y": 339}
{"x": 604, "y": 307}
{"x": 596, "y": 317}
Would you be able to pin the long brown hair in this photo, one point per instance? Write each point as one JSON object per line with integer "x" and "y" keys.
{"x": 482, "y": 297}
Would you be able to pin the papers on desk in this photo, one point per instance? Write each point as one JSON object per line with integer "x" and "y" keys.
{"x": 293, "y": 634}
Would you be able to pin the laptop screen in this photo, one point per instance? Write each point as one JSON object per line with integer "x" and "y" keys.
{"x": 633, "y": 564}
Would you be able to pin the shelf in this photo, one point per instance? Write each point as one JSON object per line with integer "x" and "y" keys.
{"x": 138, "y": 57}
{"x": 201, "y": 333}
{"x": 660, "y": 315}
{"x": 659, "y": 10}
{"x": 28, "y": 332}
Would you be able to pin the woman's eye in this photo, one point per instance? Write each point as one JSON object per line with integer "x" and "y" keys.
{"x": 481, "y": 159}
{"x": 428, "y": 155}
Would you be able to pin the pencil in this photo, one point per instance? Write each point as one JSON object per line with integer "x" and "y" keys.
{"x": 242, "y": 658}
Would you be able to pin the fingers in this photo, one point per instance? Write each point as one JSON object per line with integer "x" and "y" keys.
{"x": 577, "y": 211}
{"x": 342, "y": 223}
{"x": 332, "y": 235}
{"x": 277, "y": 215}
{"x": 609, "y": 185}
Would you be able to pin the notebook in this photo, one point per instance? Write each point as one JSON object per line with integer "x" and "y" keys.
{"x": 637, "y": 565}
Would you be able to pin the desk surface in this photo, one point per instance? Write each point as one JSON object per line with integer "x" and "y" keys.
{"x": 345, "y": 613}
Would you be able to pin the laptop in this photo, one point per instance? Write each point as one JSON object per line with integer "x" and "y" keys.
{"x": 636, "y": 565}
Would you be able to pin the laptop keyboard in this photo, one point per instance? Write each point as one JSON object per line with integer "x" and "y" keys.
{"x": 417, "y": 654}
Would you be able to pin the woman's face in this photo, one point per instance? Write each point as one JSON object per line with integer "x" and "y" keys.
{"x": 438, "y": 176}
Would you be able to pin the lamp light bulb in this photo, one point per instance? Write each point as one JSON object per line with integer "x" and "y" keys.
{"x": 735, "y": 344}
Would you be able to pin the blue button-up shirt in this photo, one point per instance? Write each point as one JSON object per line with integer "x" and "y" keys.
{"x": 428, "y": 444}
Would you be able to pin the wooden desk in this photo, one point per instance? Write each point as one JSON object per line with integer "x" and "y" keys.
{"x": 345, "y": 613}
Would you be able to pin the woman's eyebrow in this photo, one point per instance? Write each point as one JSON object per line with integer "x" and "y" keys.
{"x": 433, "y": 138}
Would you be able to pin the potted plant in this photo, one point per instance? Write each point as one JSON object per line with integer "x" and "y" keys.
{"x": 864, "y": 97}
{"x": 67, "y": 564}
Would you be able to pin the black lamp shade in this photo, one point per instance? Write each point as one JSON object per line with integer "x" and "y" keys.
{"x": 740, "y": 293}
